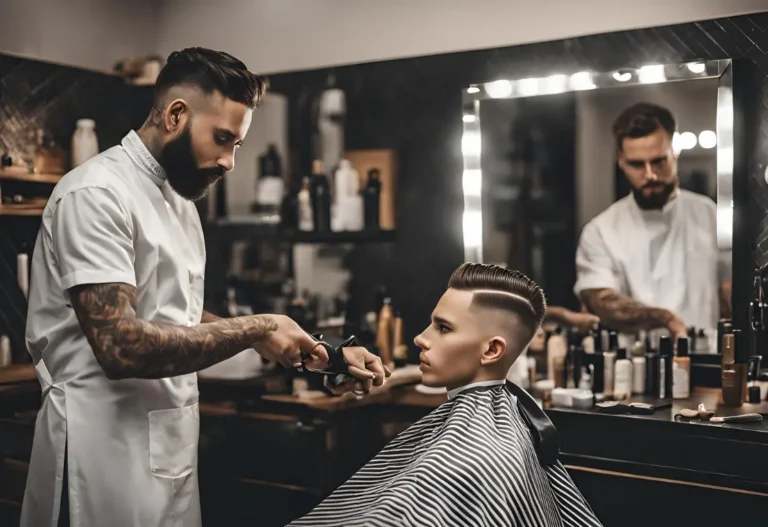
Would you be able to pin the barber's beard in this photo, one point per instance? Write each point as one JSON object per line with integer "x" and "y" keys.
{"x": 184, "y": 176}
{"x": 656, "y": 200}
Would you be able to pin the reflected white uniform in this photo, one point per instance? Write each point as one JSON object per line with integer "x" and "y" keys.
{"x": 663, "y": 258}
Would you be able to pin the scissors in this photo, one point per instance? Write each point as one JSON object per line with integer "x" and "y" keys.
{"x": 337, "y": 371}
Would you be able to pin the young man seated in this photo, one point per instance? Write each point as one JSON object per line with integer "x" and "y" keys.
{"x": 488, "y": 455}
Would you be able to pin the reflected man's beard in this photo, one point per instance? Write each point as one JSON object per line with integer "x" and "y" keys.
{"x": 184, "y": 176}
{"x": 656, "y": 200}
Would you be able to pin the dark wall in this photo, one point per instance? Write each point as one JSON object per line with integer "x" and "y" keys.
{"x": 52, "y": 97}
{"x": 414, "y": 106}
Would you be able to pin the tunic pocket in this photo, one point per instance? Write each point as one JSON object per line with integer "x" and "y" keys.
{"x": 173, "y": 438}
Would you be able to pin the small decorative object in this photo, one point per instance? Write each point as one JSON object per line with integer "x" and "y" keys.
{"x": 704, "y": 414}
{"x": 688, "y": 413}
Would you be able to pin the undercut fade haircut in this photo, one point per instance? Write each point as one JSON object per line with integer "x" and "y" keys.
{"x": 506, "y": 289}
{"x": 640, "y": 120}
{"x": 211, "y": 71}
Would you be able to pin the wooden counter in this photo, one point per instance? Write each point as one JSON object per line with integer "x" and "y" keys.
{"x": 19, "y": 401}
{"x": 667, "y": 462}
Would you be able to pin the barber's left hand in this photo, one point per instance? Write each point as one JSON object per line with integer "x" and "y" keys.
{"x": 581, "y": 321}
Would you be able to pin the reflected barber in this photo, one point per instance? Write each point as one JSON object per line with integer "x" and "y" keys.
{"x": 651, "y": 259}
{"x": 116, "y": 326}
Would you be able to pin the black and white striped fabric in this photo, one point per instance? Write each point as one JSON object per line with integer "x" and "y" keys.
{"x": 471, "y": 462}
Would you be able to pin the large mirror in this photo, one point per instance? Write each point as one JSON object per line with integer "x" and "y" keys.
{"x": 607, "y": 181}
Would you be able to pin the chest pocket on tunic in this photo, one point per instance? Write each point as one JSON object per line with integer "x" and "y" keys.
{"x": 173, "y": 438}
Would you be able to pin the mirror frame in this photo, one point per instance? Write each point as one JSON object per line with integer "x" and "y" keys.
{"x": 473, "y": 95}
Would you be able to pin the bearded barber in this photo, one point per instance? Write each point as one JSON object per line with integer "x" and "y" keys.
{"x": 651, "y": 259}
{"x": 116, "y": 326}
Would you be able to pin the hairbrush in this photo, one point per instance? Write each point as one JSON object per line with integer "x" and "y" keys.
{"x": 746, "y": 418}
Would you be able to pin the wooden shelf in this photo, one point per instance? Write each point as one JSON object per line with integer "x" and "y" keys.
{"x": 232, "y": 230}
{"x": 24, "y": 209}
{"x": 21, "y": 174}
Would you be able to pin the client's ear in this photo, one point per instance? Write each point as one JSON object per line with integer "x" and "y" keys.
{"x": 497, "y": 348}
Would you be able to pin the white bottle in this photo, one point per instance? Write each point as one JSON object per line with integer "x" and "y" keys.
{"x": 518, "y": 373}
{"x": 557, "y": 349}
{"x": 5, "y": 351}
{"x": 22, "y": 273}
{"x": 638, "y": 375}
{"x": 85, "y": 144}
{"x": 348, "y": 204}
{"x": 305, "y": 208}
{"x": 623, "y": 378}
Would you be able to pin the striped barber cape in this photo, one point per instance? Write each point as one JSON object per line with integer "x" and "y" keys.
{"x": 485, "y": 457}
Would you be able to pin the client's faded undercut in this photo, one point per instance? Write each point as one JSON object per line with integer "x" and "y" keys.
{"x": 495, "y": 287}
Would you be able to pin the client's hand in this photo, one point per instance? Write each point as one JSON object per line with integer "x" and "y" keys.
{"x": 363, "y": 365}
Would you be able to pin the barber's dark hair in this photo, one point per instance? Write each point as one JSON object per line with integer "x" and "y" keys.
{"x": 504, "y": 289}
{"x": 209, "y": 71}
{"x": 640, "y": 120}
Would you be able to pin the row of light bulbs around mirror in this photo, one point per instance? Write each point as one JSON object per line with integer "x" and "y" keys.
{"x": 707, "y": 139}
{"x": 583, "y": 80}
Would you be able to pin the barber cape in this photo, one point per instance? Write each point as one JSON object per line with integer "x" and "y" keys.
{"x": 485, "y": 457}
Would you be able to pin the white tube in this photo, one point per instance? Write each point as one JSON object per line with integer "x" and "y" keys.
{"x": 22, "y": 272}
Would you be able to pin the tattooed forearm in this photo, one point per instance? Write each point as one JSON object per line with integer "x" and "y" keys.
{"x": 624, "y": 313}
{"x": 127, "y": 346}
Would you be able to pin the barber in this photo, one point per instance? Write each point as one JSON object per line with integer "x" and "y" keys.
{"x": 651, "y": 259}
{"x": 115, "y": 325}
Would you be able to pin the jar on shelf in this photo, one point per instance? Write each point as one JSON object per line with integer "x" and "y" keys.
{"x": 85, "y": 144}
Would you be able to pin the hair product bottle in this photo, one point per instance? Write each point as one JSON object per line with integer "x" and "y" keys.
{"x": 622, "y": 379}
{"x": 681, "y": 371}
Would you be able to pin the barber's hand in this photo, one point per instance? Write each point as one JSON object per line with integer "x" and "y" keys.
{"x": 584, "y": 322}
{"x": 286, "y": 344}
{"x": 677, "y": 328}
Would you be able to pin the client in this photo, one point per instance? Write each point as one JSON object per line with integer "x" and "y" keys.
{"x": 488, "y": 455}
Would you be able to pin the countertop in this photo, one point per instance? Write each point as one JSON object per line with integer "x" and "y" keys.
{"x": 18, "y": 379}
{"x": 712, "y": 400}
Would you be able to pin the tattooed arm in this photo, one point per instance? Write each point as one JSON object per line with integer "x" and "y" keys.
{"x": 628, "y": 315}
{"x": 129, "y": 347}
{"x": 572, "y": 319}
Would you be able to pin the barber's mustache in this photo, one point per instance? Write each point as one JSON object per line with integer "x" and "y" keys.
{"x": 656, "y": 184}
{"x": 211, "y": 173}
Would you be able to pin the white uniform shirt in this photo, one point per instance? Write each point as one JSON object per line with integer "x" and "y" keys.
{"x": 131, "y": 444}
{"x": 663, "y": 258}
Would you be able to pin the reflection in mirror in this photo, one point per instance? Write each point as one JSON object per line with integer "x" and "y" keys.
{"x": 603, "y": 188}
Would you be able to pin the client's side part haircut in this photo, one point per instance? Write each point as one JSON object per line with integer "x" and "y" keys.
{"x": 499, "y": 288}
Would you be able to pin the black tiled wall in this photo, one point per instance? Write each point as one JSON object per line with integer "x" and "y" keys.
{"x": 414, "y": 106}
{"x": 52, "y": 97}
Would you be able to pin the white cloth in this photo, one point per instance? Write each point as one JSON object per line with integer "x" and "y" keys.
{"x": 663, "y": 258}
{"x": 456, "y": 391}
{"x": 131, "y": 444}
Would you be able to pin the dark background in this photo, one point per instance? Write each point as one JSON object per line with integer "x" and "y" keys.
{"x": 410, "y": 105}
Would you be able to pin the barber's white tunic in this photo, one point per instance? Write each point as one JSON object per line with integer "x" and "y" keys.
{"x": 663, "y": 258}
{"x": 131, "y": 444}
